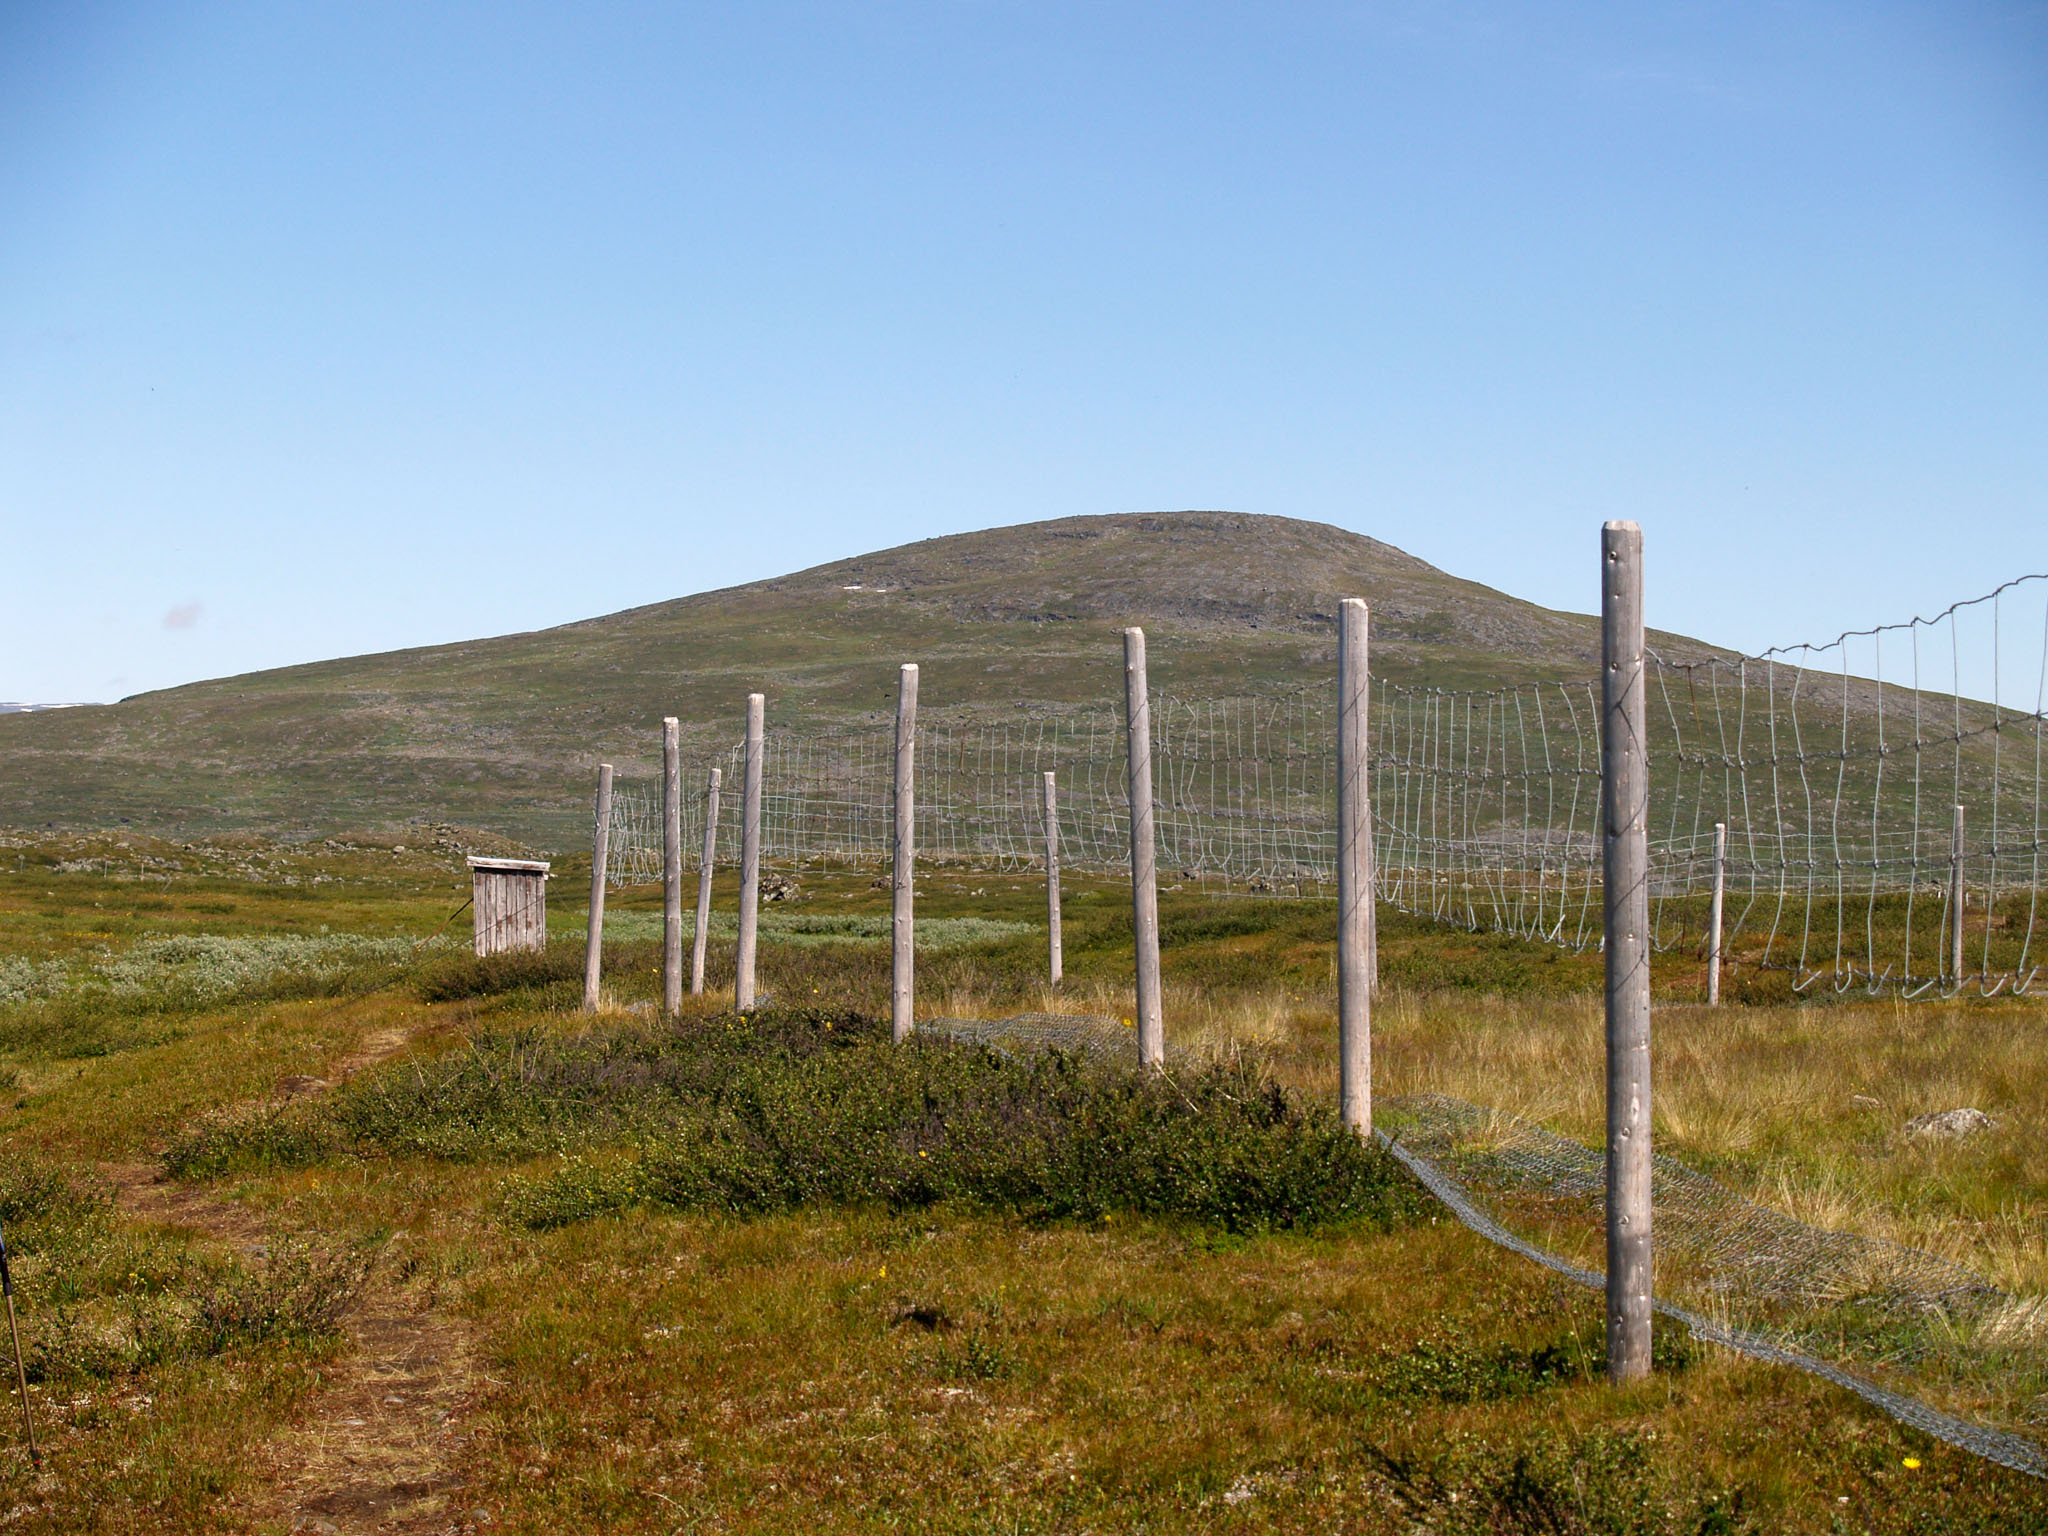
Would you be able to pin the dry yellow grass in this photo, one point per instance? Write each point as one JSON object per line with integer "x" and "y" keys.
{"x": 1803, "y": 1109}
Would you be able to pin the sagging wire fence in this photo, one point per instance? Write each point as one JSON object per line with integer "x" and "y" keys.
{"x": 1882, "y": 826}
{"x": 1922, "y": 1338}
{"x": 1824, "y": 781}
{"x": 1918, "y": 1337}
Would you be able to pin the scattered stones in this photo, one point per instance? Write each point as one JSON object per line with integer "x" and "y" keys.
{"x": 1948, "y": 1125}
{"x": 780, "y": 887}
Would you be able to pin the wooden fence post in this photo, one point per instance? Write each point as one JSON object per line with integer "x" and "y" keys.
{"x": 671, "y": 868}
{"x": 1956, "y": 897}
{"x": 1354, "y": 870}
{"x": 710, "y": 857}
{"x": 1624, "y": 797}
{"x": 903, "y": 950}
{"x": 1144, "y": 852}
{"x": 600, "y": 855}
{"x": 750, "y": 858}
{"x": 1052, "y": 879}
{"x": 1714, "y": 910}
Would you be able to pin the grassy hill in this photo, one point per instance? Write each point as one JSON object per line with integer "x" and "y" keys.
{"x": 501, "y": 732}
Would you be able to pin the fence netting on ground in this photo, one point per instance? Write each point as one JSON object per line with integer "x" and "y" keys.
{"x": 1923, "y": 1339}
{"x": 1881, "y": 796}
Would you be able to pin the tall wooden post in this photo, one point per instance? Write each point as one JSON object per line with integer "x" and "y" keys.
{"x": 600, "y": 856}
{"x": 1956, "y": 894}
{"x": 1055, "y": 965}
{"x": 750, "y": 858}
{"x": 710, "y": 857}
{"x": 671, "y": 868}
{"x": 1624, "y": 808}
{"x": 1144, "y": 852}
{"x": 1354, "y": 870}
{"x": 1714, "y": 909}
{"x": 903, "y": 949}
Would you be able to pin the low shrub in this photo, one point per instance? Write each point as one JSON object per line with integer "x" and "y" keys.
{"x": 264, "y": 1136}
{"x": 75, "y": 1027}
{"x": 457, "y": 974}
{"x": 1452, "y": 1369}
{"x": 1457, "y": 1371}
{"x": 796, "y": 1108}
{"x": 1604, "y": 1483}
{"x": 31, "y": 1190}
{"x": 121, "y": 1000}
{"x": 1053, "y": 1137}
{"x": 301, "y": 1294}
{"x": 102, "y": 1298}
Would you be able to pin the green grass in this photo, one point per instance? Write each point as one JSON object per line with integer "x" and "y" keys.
{"x": 1025, "y": 1338}
{"x": 502, "y": 732}
{"x": 789, "y": 1108}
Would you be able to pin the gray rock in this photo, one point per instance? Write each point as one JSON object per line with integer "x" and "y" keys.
{"x": 1948, "y": 1125}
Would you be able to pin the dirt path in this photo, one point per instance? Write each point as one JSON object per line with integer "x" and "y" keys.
{"x": 374, "y": 1449}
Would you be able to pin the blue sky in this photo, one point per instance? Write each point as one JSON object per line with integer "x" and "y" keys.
{"x": 329, "y": 329}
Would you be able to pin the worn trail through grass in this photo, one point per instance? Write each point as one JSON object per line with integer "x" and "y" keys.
{"x": 629, "y": 1277}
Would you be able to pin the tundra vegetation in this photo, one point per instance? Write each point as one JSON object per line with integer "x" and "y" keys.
{"x": 319, "y": 1222}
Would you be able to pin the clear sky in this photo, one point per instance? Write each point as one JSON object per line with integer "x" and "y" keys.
{"x": 330, "y": 329}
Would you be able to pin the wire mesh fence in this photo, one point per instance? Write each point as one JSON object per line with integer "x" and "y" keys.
{"x": 1875, "y": 815}
{"x": 1923, "y": 1340}
{"x": 1919, "y": 1337}
{"x": 1837, "y": 771}
{"x": 1881, "y": 810}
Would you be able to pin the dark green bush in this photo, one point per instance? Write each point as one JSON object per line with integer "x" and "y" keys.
{"x": 31, "y": 1189}
{"x": 1453, "y": 1369}
{"x": 797, "y": 1107}
{"x": 263, "y": 1136}
{"x": 1052, "y": 1136}
{"x": 457, "y": 974}
{"x": 301, "y": 1294}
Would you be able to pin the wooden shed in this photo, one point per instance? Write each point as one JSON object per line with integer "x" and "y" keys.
{"x": 511, "y": 901}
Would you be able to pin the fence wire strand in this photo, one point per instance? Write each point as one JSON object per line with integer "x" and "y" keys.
{"x": 1871, "y": 1317}
{"x": 1835, "y": 768}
